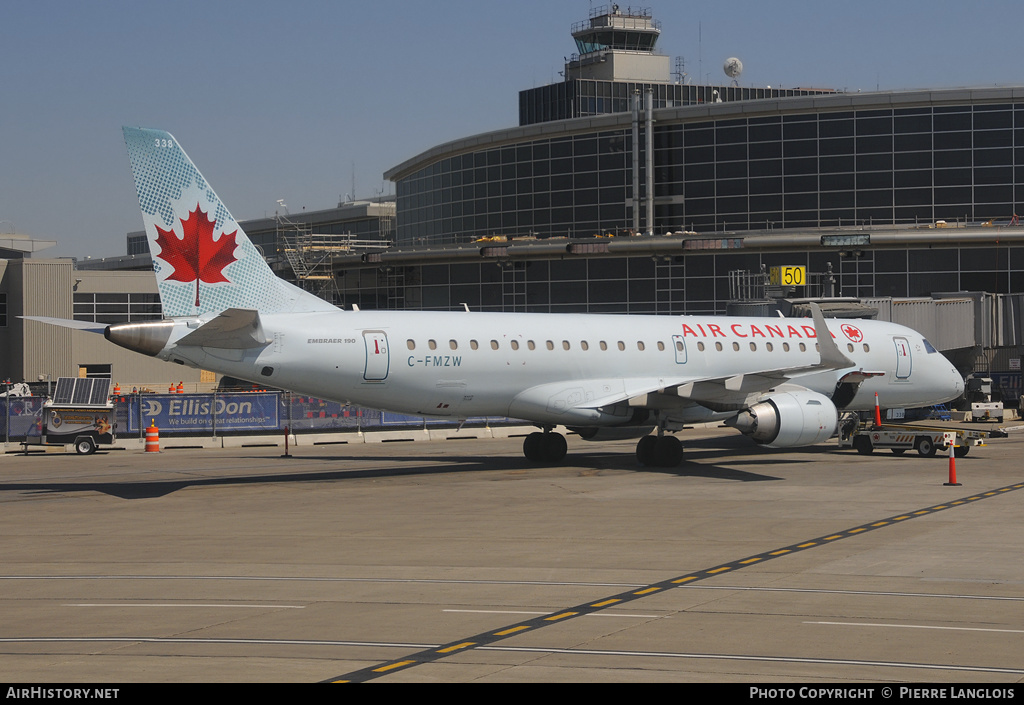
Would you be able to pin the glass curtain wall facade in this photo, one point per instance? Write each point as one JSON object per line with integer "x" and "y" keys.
{"x": 794, "y": 168}
{"x": 692, "y": 283}
{"x": 586, "y": 97}
{"x": 909, "y": 159}
{"x": 903, "y": 165}
{"x": 559, "y": 187}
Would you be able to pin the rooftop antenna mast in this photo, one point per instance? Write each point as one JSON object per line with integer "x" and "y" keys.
{"x": 700, "y": 54}
{"x": 680, "y": 72}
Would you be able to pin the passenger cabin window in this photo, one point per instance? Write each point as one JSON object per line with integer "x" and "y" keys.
{"x": 494, "y": 345}
{"x": 453, "y": 345}
{"x": 514, "y": 344}
{"x": 432, "y": 344}
{"x": 411, "y": 344}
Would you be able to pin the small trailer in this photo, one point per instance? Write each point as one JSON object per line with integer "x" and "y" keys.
{"x": 899, "y": 438}
{"x": 80, "y": 414}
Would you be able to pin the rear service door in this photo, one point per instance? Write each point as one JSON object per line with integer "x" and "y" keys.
{"x": 378, "y": 359}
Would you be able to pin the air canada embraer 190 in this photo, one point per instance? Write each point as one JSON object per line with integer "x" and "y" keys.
{"x": 780, "y": 381}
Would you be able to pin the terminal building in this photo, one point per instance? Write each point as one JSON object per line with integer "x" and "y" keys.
{"x": 625, "y": 188}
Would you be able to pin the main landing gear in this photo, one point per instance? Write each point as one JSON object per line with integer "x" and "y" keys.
{"x": 546, "y": 447}
{"x": 549, "y": 448}
{"x": 659, "y": 451}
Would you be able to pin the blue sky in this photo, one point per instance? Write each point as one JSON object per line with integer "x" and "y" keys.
{"x": 289, "y": 100}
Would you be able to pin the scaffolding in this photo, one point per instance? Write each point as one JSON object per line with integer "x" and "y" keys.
{"x": 309, "y": 253}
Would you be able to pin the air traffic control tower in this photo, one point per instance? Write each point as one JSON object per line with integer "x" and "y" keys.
{"x": 616, "y": 58}
{"x": 617, "y": 45}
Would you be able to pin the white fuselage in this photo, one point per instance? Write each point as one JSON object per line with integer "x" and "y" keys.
{"x": 551, "y": 368}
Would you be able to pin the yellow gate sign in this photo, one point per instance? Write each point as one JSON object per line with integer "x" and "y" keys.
{"x": 789, "y": 275}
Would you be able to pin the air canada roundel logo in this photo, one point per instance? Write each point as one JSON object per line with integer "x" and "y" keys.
{"x": 197, "y": 257}
{"x": 852, "y": 332}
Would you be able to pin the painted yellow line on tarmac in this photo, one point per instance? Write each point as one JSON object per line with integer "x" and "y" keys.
{"x": 563, "y": 615}
{"x": 488, "y": 638}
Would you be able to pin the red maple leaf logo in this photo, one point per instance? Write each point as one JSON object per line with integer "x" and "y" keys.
{"x": 196, "y": 257}
{"x": 852, "y": 332}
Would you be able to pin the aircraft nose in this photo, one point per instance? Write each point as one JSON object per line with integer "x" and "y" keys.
{"x": 958, "y": 382}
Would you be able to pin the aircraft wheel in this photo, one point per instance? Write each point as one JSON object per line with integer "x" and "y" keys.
{"x": 925, "y": 446}
{"x": 645, "y": 450}
{"x": 961, "y": 451}
{"x": 545, "y": 447}
{"x": 85, "y": 445}
{"x": 532, "y": 447}
{"x": 553, "y": 447}
{"x": 862, "y": 444}
{"x": 668, "y": 452}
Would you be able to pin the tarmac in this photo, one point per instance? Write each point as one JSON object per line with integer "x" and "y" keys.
{"x": 456, "y": 560}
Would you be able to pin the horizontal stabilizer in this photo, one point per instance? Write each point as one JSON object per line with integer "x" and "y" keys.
{"x": 88, "y": 326}
{"x": 235, "y": 329}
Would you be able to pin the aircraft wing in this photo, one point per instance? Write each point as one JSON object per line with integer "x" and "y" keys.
{"x": 732, "y": 390}
{"x": 717, "y": 393}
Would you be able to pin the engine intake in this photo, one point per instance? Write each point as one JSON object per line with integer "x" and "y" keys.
{"x": 789, "y": 419}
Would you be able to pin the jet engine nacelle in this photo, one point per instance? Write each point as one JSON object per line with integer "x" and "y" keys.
{"x": 789, "y": 419}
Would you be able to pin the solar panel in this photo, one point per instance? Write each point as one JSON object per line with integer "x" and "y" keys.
{"x": 100, "y": 391}
{"x": 82, "y": 391}
{"x": 65, "y": 386}
{"x": 83, "y": 387}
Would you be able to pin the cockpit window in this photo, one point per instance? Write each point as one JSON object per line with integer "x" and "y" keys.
{"x": 929, "y": 348}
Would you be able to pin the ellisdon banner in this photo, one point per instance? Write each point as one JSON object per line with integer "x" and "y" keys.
{"x": 205, "y": 412}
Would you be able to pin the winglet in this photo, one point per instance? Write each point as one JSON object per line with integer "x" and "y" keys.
{"x": 831, "y": 356}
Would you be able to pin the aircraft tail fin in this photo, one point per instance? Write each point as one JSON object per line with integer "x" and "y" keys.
{"x": 203, "y": 260}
